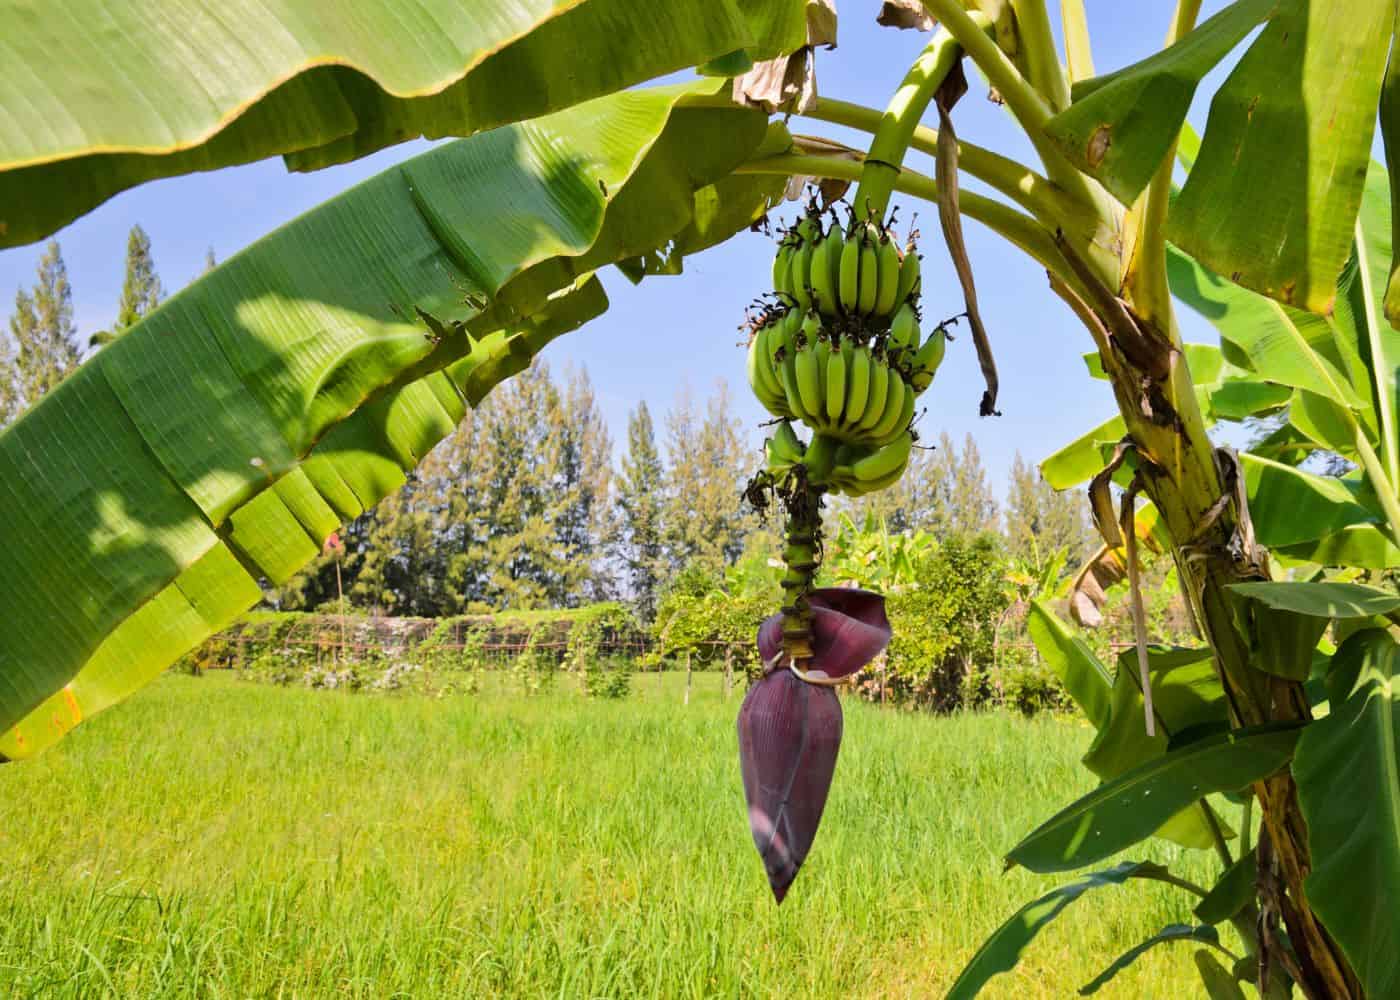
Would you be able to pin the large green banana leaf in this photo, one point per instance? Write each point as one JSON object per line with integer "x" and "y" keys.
{"x": 224, "y": 437}
{"x": 1186, "y": 691}
{"x": 1121, "y": 125}
{"x": 1283, "y": 159}
{"x": 1274, "y": 192}
{"x": 1348, "y": 773}
{"x": 99, "y": 97}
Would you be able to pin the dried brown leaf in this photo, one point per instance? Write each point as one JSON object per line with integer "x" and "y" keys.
{"x": 905, "y": 14}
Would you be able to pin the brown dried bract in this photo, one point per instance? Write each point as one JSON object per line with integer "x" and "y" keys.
{"x": 905, "y": 14}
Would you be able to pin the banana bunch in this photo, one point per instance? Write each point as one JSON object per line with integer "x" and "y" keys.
{"x": 861, "y": 273}
{"x": 852, "y": 469}
{"x": 841, "y": 351}
{"x": 857, "y": 393}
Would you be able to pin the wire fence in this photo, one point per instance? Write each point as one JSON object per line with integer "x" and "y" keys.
{"x": 488, "y": 641}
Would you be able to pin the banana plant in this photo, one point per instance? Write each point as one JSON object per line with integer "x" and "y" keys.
{"x": 222, "y": 439}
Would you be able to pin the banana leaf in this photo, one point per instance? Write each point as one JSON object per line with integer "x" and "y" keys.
{"x": 1273, "y": 196}
{"x": 220, "y": 440}
{"x": 242, "y": 81}
{"x": 1121, "y": 125}
{"x": 1346, "y": 768}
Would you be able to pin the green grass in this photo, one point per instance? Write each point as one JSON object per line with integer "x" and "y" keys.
{"x": 218, "y": 838}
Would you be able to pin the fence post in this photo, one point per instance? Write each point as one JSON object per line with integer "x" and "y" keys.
{"x": 687, "y": 677}
{"x": 728, "y": 671}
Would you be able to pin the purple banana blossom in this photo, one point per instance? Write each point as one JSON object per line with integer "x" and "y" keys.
{"x": 790, "y": 730}
{"x": 849, "y": 629}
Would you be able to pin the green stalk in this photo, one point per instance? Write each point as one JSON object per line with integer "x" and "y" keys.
{"x": 1015, "y": 227}
{"x": 1375, "y": 472}
{"x": 1145, "y": 273}
{"x": 1038, "y": 47}
{"x": 1033, "y": 112}
{"x": 1079, "y": 58}
{"x": 1032, "y": 191}
{"x": 897, "y": 124}
{"x": 1385, "y": 393}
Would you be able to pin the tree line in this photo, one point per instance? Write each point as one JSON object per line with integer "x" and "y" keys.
{"x": 527, "y": 506}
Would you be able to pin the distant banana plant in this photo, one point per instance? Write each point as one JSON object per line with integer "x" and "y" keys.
{"x": 224, "y": 437}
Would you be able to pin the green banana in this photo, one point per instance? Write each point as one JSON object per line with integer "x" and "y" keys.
{"x": 798, "y": 278}
{"x": 785, "y": 338}
{"x": 906, "y": 417}
{"x": 761, "y": 378}
{"x": 869, "y": 273}
{"x": 903, "y": 329}
{"x": 825, "y": 273}
{"x": 857, "y": 488}
{"x": 908, "y": 275}
{"x": 782, "y": 267}
{"x": 769, "y": 369}
{"x": 792, "y": 389}
{"x": 835, "y": 387}
{"x": 894, "y": 406}
{"x": 820, "y": 457}
{"x": 880, "y": 378}
{"x": 850, "y": 271}
{"x": 823, "y": 356}
{"x": 888, "y": 284}
{"x": 886, "y": 459}
{"x": 857, "y": 386}
{"x": 928, "y": 359}
{"x": 809, "y": 384}
{"x": 784, "y": 449}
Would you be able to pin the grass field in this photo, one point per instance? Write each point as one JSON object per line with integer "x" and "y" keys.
{"x": 219, "y": 838}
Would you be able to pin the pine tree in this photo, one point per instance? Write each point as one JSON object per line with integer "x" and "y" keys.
{"x": 141, "y": 288}
{"x": 584, "y": 473}
{"x": 1040, "y": 521}
{"x": 972, "y": 507}
{"x": 41, "y": 351}
{"x": 706, "y": 523}
{"x": 638, "y": 532}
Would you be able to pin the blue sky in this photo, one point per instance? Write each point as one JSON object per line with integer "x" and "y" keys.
{"x": 671, "y": 333}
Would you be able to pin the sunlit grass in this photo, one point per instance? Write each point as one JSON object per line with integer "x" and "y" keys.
{"x": 218, "y": 838}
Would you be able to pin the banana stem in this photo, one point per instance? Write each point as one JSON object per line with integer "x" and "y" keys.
{"x": 897, "y": 124}
{"x": 1032, "y": 191}
{"x": 1145, "y": 275}
{"x": 1042, "y": 61}
{"x": 1015, "y": 227}
{"x": 802, "y": 534}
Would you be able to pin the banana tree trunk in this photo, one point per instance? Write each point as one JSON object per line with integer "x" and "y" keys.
{"x": 1201, "y": 500}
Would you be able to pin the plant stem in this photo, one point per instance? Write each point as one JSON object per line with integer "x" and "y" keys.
{"x": 1028, "y": 106}
{"x": 1171, "y": 879}
{"x": 1375, "y": 472}
{"x": 1217, "y": 835}
{"x": 1078, "y": 56}
{"x": 1038, "y": 47}
{"x": 1002, "y": 219}
{"x": 1030, "y": 190}
{"x": 897, "y": 124}
{"x": 1145, "y": 273}
{"x": 1032, "y": 111}
{"x": 1385, "y": 391}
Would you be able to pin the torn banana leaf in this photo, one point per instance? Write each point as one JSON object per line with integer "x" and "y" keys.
{"x": 242, "y": 80}
{"x": 220, "y": 440}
